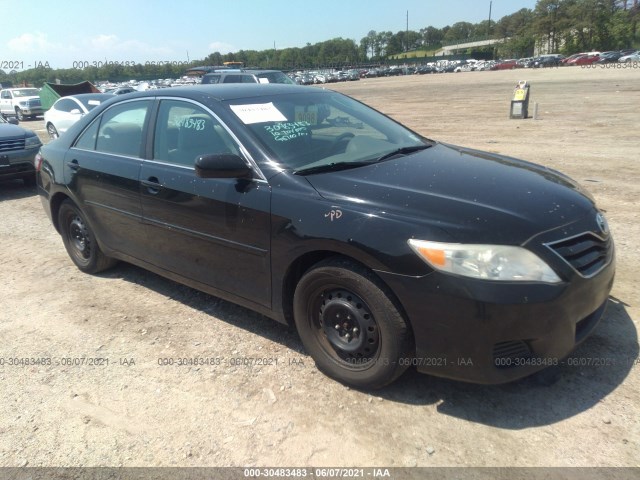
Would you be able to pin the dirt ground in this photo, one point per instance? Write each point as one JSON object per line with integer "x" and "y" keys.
{"x": 134, "y": 411}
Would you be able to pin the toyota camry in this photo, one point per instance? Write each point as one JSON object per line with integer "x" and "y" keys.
{"x": 383, "y": 248}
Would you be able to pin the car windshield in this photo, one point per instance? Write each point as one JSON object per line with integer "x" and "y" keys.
{"x": 307, "y": 132}
{"x": 25, "y": 92}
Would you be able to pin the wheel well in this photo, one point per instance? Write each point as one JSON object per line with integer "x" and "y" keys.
{"x": 294, "y": 274}
{"x": 54, "y": 205}
{"x": 302, "y": 264}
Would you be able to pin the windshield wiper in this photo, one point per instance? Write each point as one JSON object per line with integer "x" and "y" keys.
{"x": 331, "y": 167}
{"x": 402, "y": 151}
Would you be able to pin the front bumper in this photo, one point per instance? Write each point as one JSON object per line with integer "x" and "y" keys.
{"x": 31, "y": 111}
{"x": 495, "y": 332}
{"x": 20, "y": 164}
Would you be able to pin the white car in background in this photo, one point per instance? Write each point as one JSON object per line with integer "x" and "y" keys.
{"x": 68, "y": 110}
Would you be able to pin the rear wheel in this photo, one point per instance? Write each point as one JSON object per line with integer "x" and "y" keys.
{"x": 80, "y": 241}
{"x": 53, "y": 133}
{"x": 350, "y": 326}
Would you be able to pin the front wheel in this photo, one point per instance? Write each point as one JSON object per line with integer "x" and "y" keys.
{"x": 350, "y": 325}
{"x": 80, "y": 241}
{"x": 19, "y": 114}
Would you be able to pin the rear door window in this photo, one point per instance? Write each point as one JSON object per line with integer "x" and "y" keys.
{"x": 120, "y": 130}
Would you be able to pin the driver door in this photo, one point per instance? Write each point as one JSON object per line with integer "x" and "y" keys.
{"x": 214, "y": 231}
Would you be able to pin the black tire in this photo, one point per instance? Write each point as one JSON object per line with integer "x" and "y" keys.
{"x": 80, "y": 241}
{"x": 19, "y": 114}
{"x": 51, "y": 130}
{"x": 367, "y": 349}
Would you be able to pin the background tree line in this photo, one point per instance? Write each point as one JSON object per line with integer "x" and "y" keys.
{"x": 555, "y": 26}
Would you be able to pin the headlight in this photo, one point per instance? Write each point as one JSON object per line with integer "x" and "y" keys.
{"x": 32, "y": 141}
{"x": 486, "y": 262}
{"x": 23, "y": 104}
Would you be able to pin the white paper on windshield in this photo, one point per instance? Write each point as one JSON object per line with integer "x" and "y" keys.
{"x": 263, "y": 80}
{"x": 258, "y": 113}
{"x": 94, "y": 102}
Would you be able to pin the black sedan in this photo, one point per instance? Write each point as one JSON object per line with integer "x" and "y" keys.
{"x": 385, "y": 249}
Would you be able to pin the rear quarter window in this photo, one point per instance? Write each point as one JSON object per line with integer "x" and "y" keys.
{"x": 239, "y": 79}
{"x": 211, "y": 79}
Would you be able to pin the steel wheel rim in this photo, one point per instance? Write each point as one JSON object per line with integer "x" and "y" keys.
{"x": 346, "y": 327}
{"x": 79, "y": 239}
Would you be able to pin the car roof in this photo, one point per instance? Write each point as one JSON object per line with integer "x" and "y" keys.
{"x": 88, "y": 96}
{"x": 226, "y": 91}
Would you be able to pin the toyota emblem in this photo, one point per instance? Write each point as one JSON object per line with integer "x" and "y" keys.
{"x": 602, "y": 223}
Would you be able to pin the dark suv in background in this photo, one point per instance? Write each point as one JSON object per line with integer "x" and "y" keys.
{"x": 247, "y": 76}
{"x": 18, "y": 148}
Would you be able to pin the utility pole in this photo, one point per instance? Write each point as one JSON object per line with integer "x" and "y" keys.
{"x": 406, "y": 35}
{"x": 489, "y": 27}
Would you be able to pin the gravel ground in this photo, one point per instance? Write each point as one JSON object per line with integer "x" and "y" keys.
{"x": 134, "y": 411}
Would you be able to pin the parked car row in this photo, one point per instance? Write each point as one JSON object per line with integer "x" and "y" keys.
{"x": 590, "y": 58}
{"x": 542, "y": 61}
{"x": 315, "y": 77}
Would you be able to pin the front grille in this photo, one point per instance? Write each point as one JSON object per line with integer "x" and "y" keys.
{"x": 508, "y": 354}
{"x": 586, "y": 253}
{"x": 12, "y": 144}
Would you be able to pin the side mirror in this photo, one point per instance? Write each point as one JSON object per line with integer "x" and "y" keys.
{"x": 224, "y": 165}
{"x": 76, "y": 111}
{"x": 13, "y": 121}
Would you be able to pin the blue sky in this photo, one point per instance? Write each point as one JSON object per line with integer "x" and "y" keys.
{"x": 61, "y": 33}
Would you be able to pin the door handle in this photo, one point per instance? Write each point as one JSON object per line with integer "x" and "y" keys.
{"x": 153, "y": 185}
{"x": 73, "y": 164}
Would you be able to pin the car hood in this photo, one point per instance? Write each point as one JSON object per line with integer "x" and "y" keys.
{"x": 468, "y": 195}
{"x": 8, "y": 130}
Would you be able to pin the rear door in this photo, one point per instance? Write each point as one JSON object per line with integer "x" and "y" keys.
{"x": 102, "y": 170}
{"x": 215, "y": 231}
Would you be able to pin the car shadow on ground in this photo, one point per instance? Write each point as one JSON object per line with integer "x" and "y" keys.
{"x": 593, "y": 371}
{"x": 15, "y": 190}
{"x": 217, "y": 308}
